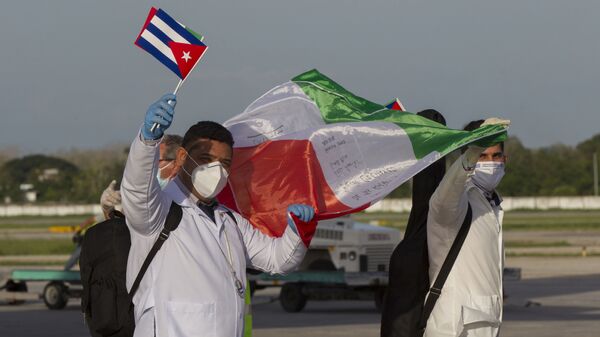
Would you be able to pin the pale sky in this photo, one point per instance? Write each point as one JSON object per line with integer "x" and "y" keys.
{"x": 70, "y": 75}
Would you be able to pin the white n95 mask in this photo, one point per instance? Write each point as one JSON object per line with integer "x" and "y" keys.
{"x": 209, "y": 179}
{"x": 488, "y": 174}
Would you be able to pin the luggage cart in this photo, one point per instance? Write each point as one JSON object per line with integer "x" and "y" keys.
{"x": 61, "y": 285}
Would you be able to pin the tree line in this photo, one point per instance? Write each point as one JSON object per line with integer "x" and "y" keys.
{"x": 82, "y": 175}
{"x": 556, "y": 170}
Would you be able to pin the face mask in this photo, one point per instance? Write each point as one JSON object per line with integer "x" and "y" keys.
{"x": 208, "y": 179}
{"x": 488, "y": 174}
{"x": 162, "y": 182}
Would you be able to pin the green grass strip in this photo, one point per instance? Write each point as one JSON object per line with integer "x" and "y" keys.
{"x": 509, "y": 254}
{"x": 535, "y": 244}
{"x": 28, "y": 222}
{"x": 517, "y": 220}
{"x": 36, "y": 246}
{"x": 18, "y": 263}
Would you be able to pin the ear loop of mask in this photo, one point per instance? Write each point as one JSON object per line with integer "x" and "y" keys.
{"x": 164, "y": 167}
{"x": 188, "y": 155}
{"x": 183, "y": 167}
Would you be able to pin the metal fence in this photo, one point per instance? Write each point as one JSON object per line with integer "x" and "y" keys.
{"x": 386, "y": 205}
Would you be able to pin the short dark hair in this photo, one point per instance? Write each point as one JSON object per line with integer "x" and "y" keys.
{"x": 476, "y": 124}
{"x": 207, "y": 130}
{"x": 433, "y": 114}
{"x": 472, "y": 125}
{"x": 172, "y": 143}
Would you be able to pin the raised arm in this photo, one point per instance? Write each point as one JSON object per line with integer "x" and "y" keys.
{"x": 448, "y": 205}
{"x": 144, "y": 204}
{"x": 276, "y": 255}
{"x": 449, "y": 201}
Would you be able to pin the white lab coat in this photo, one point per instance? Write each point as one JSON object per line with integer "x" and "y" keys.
{"x": 188, "y": 289}
{"x": 471, "y": 299}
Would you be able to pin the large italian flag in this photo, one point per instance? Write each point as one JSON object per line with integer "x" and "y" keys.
{"x": 311, "y": 141}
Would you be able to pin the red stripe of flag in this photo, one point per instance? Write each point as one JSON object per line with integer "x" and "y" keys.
{"x": 255, "y": 195}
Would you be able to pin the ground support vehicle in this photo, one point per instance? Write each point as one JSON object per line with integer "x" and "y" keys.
{"x": 61, "y": 285}
{"x": 299, "y": 287}
{"x": 346, "y": 260}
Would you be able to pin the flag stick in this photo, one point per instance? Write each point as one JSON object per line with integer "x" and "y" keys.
{"x": 156, "y": 125}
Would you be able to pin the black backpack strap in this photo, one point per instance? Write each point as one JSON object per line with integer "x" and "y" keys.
{"x": 436, "y": 290}
{"x": 228, "y": 211}
{"x": 248, "y": 270}
{"x": 231, "y": 216}
{"x": 171, "y": 224}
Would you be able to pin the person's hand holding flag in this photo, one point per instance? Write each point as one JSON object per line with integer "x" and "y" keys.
{"x": 300, "y": 212}
{"x": 161, "y": 113}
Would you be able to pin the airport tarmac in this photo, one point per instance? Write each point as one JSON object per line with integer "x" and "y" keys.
{"x": 556, "y": 297}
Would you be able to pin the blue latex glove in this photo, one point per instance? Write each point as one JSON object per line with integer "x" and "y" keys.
{"x": 304, "y": 212}
{"x": 160, "y": 112}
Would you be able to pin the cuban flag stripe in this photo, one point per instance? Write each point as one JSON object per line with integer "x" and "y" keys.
{"x": 160, "y": 51}
{"x": 177, "y": 28}
{"x": 154, "y": 30}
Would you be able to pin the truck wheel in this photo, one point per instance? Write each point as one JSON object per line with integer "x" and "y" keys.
{"x": 291, "y": 297}
{"x": 55, "y": 295}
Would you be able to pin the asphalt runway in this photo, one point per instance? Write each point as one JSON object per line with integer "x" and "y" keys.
{"x": 556, "y": 297}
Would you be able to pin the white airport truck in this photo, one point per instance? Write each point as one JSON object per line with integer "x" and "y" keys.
{"x": 346, "y": 260}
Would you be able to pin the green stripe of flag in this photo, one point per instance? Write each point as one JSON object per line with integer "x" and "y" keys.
{"x": 198, "y": 36}
{"x": 339, "y": 105}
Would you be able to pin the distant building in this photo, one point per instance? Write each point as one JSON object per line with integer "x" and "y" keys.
{"x": 25, "y": 187}
{"x": 30, "y": 196}
{"x": 28, "y": 192}
{"x": 48, "y": 174}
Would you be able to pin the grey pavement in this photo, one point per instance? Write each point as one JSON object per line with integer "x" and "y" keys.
{"x": 557, "y": 297}
{"x": 577, "y": 238}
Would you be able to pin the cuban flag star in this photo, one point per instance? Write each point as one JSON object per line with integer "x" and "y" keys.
{"x": 173, "y": 44}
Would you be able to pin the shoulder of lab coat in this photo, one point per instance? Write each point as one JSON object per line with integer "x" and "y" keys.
{"x": 144, "y": 204}
{"x": 275, "y": 255}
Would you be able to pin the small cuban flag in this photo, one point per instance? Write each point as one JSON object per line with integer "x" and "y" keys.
{"x": 395, "y": 105}
{"x": 173, "y": 44}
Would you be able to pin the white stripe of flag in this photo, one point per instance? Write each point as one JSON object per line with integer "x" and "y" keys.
{"x": 158, "y": 44}
{"x": 173, "y": 35}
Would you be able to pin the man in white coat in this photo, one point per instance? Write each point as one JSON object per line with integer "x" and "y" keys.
{"x": 195, "y": 286}
{"x": 470, "y": 303}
